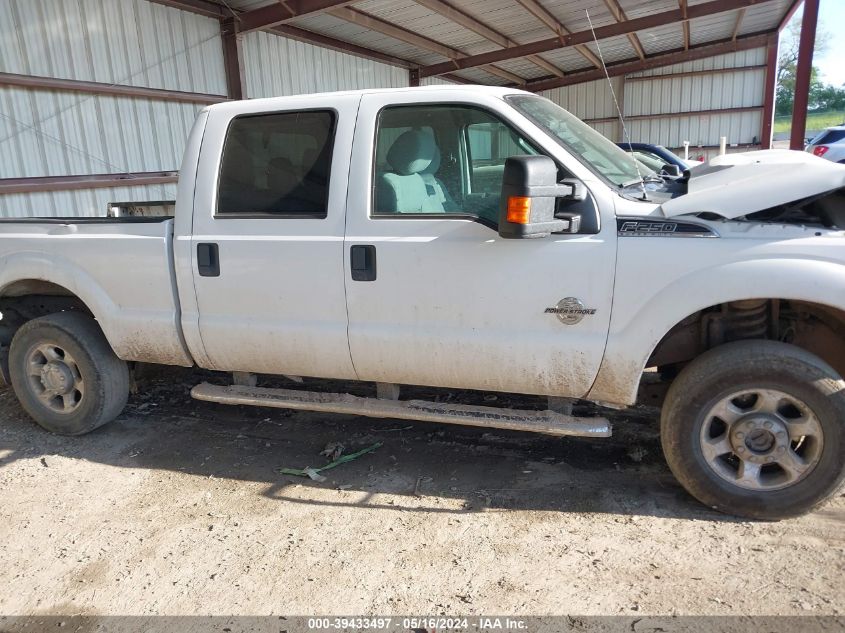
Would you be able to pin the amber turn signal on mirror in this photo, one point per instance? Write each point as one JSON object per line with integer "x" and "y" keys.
{"x": 519, "y": 210}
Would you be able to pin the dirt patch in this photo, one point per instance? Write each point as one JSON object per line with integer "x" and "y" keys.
{"x": 177, "y": 508}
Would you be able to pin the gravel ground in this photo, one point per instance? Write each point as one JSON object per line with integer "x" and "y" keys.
{"x": 178, "y": 508}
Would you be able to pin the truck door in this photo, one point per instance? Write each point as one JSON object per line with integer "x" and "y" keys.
{"x": 267, "y": 243}
{"x": 435, "y": 296}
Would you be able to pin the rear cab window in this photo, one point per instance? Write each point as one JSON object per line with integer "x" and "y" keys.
{"x": 277, "y": 165}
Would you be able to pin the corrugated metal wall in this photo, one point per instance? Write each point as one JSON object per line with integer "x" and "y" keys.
{"x": 140, "y": 43}
{"x": 592, "y": 100}
{"x": 276, "y": 66}
{"x": 53, "y": 133}
{"x": 656, "y": 92}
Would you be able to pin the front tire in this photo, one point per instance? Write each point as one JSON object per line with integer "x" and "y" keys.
{"x": 757, "y": 429}
{"x": 65, "y": 374}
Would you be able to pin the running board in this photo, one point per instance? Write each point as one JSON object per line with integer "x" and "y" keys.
{"x": 547, "y": 422}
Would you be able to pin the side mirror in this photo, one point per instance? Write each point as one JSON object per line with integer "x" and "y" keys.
{"x": 671, "y": 170}
{"x": 527, "y": 204}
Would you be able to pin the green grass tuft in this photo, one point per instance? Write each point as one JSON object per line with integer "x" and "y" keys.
{"x": 815, "y": 121}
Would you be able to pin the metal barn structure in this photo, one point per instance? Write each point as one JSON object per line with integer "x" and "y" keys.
{"x": 97, "y": 96}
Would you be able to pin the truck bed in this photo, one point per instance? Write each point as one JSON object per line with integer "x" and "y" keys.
{"x": 122, "y": 269}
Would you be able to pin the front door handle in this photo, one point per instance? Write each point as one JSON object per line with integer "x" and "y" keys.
{"x": 208, "y": 260}
{"x": 363, "y": 262}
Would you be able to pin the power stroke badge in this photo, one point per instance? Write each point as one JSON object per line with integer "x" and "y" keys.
{"x": 570, "y": 311}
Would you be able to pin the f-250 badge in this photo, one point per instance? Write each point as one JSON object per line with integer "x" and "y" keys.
{"x": 570, "y": 311}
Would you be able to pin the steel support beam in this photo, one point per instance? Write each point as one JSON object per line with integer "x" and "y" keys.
{"x": 668, "y": 58}
{"x": 676, "y": 115}
{"x": 542, "y": 14}
{"x": 85, "y": 181}
{"x": 619, "y": 15}
{"x": 682, "y": 4}
{"x": 712, "y": 7}
{"x": 309, "y": 37}
{"x": 769, "y": 87}
{"x": 699, "y": 73}
{"x": 281, "y": 12}
{"x": 98, "y": 88}
{"x": 488, "y": 33}
{"x": 740, "y": 16}
{"x": 200, "y": 7}
{"x": 233, "y": 63}
{"x": 788, "y": 15}
{"x": 802, "y": 73}
{"x": 407, "y": 36}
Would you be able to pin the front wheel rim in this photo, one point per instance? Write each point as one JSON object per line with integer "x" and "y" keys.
{"x": 54, "y": 378}
{"x": 761, "y": 439}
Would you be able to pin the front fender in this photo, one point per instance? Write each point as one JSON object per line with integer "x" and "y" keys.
{"x": 634, "y": 334}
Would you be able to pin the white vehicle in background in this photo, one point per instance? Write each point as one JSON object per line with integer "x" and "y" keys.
{"x": 829, "y": 144}
{"x": 463, "y": 238}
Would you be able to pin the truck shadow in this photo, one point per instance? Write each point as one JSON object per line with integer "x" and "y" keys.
{"x": 419, "y": 466}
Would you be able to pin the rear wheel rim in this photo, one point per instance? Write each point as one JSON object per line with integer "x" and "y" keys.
{"x": 761, "y": 439}
{"x": 53, "y": 377}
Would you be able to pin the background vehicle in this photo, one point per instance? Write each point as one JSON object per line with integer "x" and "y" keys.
{"x": 462, "y": 238}
{"x": 658, "y": 158}
{"x": 829, "y": 144}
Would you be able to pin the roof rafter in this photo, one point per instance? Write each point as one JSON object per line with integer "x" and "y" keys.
{"x": 700, "y": 51}
{"x": 281, "y": 12}
{"x": 414, "y": 39}
{"x": 740, "y": 15}
{"x": 612, "y": 30}
{"x": 540, "y": 12}
{"x": 477, "y": 26}
{"x": 684, "y": 10}
{"x": 200, "y": 7}
{"x": 619, "y": 15}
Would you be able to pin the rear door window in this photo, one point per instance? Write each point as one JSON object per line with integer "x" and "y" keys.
{"x": 277, "y": 165}
{"x": 831, "y": 136}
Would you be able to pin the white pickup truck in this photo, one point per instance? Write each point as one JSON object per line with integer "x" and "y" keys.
{"x": 465, "y": 238}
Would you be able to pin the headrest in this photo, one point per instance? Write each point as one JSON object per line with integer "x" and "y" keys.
{"x": 412, "y": 152}
{"x": 434, "y": 165}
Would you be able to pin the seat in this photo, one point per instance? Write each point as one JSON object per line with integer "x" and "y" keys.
{"x": 405, "y": 189}
{"x": 432, "y": 182}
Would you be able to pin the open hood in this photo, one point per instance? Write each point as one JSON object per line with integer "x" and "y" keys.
{"x": 735, "y": 185}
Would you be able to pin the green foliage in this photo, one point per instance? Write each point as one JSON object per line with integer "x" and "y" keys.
{"x": 821, "y": 96}
{"x": 815, "y": 121}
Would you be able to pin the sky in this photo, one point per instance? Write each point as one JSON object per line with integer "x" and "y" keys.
{"x": 832, "y": 62}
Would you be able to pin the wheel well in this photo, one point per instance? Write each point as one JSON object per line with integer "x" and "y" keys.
{"x": 28, "y": 299}
{"x": 814, "y": 327}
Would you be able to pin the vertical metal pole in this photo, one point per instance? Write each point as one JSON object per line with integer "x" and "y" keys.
{"x": 232, "y": 59}
{"x": 620, "y": 132}
{"x": 769, "y": 88}
{"x": 802, "y": 73}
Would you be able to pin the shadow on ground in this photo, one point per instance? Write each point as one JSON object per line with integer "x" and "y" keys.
{"x": 427, "y": 467}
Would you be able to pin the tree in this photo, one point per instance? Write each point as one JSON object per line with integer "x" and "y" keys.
{"x": 821, "y": 96}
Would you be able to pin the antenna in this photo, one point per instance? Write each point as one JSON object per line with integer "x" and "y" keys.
{"x": 616, "y": 103}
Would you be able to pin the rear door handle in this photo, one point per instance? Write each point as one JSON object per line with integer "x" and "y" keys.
{"x": 363, "y": 262}
{"x": 208, "y": 260}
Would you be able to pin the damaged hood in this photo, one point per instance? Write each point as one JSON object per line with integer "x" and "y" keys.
{"x": 734, "y": 185}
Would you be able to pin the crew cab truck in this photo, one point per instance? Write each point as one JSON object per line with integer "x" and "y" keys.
{"x": 469, "y": 238}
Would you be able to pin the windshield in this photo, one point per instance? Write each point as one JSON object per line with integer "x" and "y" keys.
{"x": 581, "y": 140}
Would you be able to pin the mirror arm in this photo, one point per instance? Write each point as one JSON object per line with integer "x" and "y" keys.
{"x": 569, "y": 189}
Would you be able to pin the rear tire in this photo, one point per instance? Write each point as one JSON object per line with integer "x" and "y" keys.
{"x": 65, "y": 374}
{"x": 757, "y": 429}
